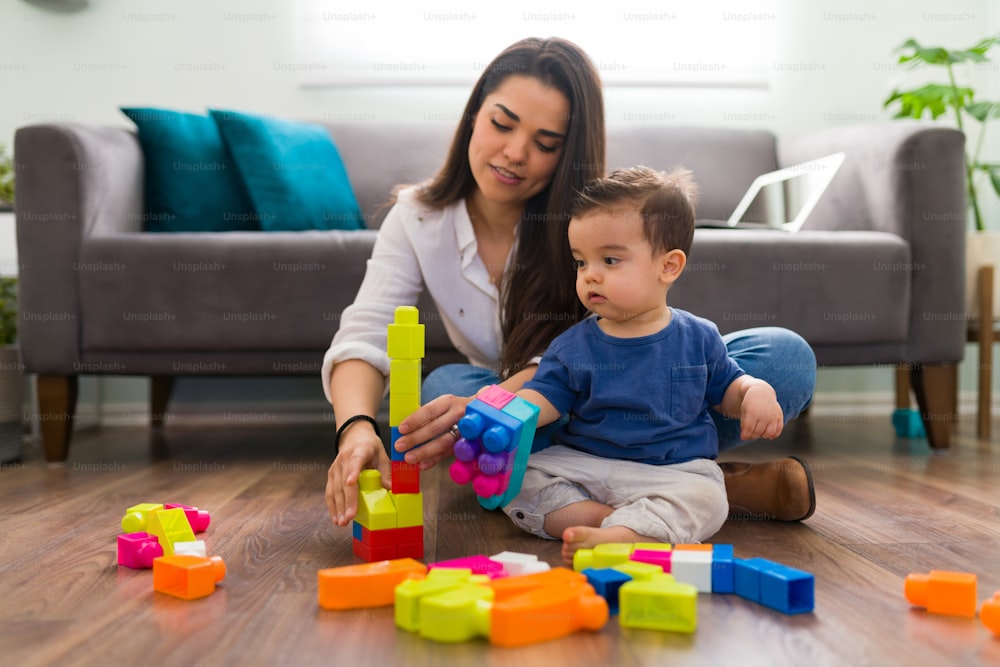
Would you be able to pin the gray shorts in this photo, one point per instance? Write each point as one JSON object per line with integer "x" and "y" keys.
{"x": 683, "y": 503}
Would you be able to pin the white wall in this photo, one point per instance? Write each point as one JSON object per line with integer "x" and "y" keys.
{"x": 830, "y": 64}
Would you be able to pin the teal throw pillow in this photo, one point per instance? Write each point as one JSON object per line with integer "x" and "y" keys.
{"x": 292, "y": 172}
{"x": 191, "y": 182}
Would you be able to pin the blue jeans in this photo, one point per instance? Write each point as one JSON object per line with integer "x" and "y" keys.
{"x": 778, "y": 356}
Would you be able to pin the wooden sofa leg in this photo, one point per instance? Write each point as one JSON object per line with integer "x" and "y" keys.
{"x": 57, "y": 408}
{"x": 161, "y": 387}
{"x": 935, "y": 386}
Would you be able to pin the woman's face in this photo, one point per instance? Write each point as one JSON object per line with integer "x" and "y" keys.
{"x": 517, "y": 139}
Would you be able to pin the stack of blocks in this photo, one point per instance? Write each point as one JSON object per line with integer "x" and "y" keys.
{"x": 390, "y": 524}
{"x": 162, "y": 537}
{"x": 656, "y": 585}
{"x": 492, "y": 452}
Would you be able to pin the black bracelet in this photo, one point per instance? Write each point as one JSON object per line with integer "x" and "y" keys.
{"x": 353, "y": 419}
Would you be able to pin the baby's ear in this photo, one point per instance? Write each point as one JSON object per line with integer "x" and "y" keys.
{"x": 672, "y": 264}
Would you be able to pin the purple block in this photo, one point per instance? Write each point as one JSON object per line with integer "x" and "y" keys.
{"x": 466, "y": 450}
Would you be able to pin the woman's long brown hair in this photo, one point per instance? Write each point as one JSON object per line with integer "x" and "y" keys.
{"x": 537, "y": 292}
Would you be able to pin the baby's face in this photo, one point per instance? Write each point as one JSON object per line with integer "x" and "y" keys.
{"x": 617, "y": 275}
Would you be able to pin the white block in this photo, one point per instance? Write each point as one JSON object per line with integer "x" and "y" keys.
{"x": 196, "y": 548}
{"x": 516, "y": 564}
{"x": 692, "y": 567}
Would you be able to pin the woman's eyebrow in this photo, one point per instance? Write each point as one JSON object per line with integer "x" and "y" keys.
{"x": 517, "y": 119}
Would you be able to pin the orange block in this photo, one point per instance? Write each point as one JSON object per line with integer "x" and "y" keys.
{"x": 990, "y": 614}
{"x": 692, "y": 547}
{"x": 545, "y": 613}
{"x": 365, "y": 585}
{"x": 941, "y": 592}
{"x": 187, "y": 577}
{"x": 507, "y": 587}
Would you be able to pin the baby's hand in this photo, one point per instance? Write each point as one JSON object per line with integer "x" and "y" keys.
{"x": 760, "y": 414}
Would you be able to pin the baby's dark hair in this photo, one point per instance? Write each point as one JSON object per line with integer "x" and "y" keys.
{"x": 665, "y": 200}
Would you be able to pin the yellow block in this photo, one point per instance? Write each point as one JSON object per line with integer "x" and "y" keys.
{"x": 457, "y": 615}
{"x": 410, "y": 592}
{"x": 137, "y": 517}
{"x": 409, "y": 509}
{"x": 404, "y": 376}
{"x": 402, "y": 406}
{"x": 376, "y": 509}
{"x": 170, "y": 526}
{"x": 405, "y": 337}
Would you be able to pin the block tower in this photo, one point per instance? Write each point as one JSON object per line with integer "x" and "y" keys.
{"x": 390, "y": 524}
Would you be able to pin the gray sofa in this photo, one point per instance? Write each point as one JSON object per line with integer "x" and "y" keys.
{"x": 874, "y": 277}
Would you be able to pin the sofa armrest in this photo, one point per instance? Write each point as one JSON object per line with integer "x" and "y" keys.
{"x": 906, "y": 178}
{"x": 73, "y": 181}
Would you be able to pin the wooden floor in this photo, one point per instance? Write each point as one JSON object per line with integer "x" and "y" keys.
{"x": 886, "y": 507}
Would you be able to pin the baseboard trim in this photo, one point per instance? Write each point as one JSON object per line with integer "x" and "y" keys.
{"x": 825, "y": 404}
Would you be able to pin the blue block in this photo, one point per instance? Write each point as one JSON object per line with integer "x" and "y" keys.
{"x": 787, "y": 589}
{"x": 356, "y": 531}
{"x": 393, "y": 454}
{"x": 908, "y": 423}
{"x": 746, "y": 577}
{"x": 722, "y": 569}
{"x": 606, "y": 582}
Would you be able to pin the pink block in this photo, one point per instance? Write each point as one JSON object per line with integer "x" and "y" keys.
{"x": 199, "y": 519}
{"x": 477, "y": 564}
{"x": 488, "y": 485}
{"x": 496, "y": 396}
{"x": 137, "y": 550}
{"x": 462, "y": 472}
{"x": 661, "y": 558}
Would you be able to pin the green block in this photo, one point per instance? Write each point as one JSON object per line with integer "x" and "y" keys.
{"x": 458, "y": 615}
{"x": 170, "y": 526}
{"x": 640, "y": 571}
{"x": 410, "y": 592}
{"x": 405, "y": 337}
{"x": 658, "y": 604}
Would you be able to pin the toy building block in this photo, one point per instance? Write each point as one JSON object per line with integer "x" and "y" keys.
{"x": 187, "y": 577}
{"x": 545, "y": 613}
{"x": 691, "y": 566}
{"x": 516, "y": 564}
{"x": 722, "y": 568}
{"x": 405, "y": 477}
{"x": 138, "y": 550}
{"x": 989, "y": 614}
{"x": 603, "y": 555}
{"x": 639, "y": 571}
{"x": 388, "y": 543}
{"x": 507, "y": 587}
{"x": 170, "y": 526}
{"x": 607, "y": 582}
{"x": 410, "y": 592}
{"x": 199, "y": 519}
{"x": 492, "y": 452}
{"x": 196, "y": 548}
{"x": 366, "y": 585}
{"x": 478, "y": 564}
{"x": 942, "y": 592}
{"x": 456, "y": 615}
{"x": 136, "y": 518}
{"x": 409, "y": 509}
{"x": 659, "y": 603}
{"x": 774, "y": 585}
{"x": 405, "y": 336}
{"x": 659, "y": 557}
{"x": 376, "y": 509}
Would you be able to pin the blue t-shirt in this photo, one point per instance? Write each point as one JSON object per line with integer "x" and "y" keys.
{"x": 644, "y": 399}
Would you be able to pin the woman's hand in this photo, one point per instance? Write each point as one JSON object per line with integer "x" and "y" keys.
{"x": 359, "y": 448}
{"x": 425, "y": 435}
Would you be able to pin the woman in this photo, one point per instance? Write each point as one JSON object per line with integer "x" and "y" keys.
{"x": 487, "y": 238}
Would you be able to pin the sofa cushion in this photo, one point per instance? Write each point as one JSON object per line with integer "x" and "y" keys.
{"x": 226, "y": 291}
{"x": 292, "y": 171}
{"x": 837, "y": 288}
{"x": 191, "y": 184}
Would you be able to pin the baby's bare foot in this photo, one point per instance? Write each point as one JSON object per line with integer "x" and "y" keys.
{"x": 588, "y": 537}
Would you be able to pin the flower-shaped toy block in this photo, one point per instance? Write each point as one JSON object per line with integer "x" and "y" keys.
{"x": 492, "y": 452}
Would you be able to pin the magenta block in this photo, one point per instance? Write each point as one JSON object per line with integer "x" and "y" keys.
{"x": 495, "y": 396}
{"x": 199, "y": 519}
{"x": 478, "y": 564}
{"x": 137, "y": 550}
{"x": 653, "y": 557}
{"x": 462, "y": 472}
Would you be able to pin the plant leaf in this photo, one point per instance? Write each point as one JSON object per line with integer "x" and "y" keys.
{"x": 983, "y": 111}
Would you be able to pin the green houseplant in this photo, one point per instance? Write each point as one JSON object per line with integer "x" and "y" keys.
{"x": 972, "y": 117}
{"x": 11, "y": 369}
{"x": 6, "y": 178}
{"x": 937, "y": 99}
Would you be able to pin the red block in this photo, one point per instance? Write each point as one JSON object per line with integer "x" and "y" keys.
{"x": 392, "y": 537}
{"x": 371, "y": 554}
{"x": 405, "y": 477}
